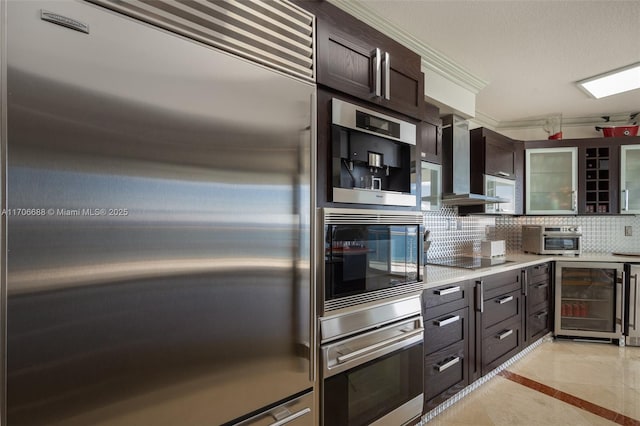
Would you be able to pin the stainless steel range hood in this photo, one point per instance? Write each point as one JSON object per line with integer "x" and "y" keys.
{"x": 456, "y": 159}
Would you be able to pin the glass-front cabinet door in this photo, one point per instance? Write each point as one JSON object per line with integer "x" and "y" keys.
{"x": 630, "y": 179}
{"x": 551, "y": 181}
{"x": 431, "y": 186}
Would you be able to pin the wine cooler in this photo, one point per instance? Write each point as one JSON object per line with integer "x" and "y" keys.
{"x": 589, "y": 300}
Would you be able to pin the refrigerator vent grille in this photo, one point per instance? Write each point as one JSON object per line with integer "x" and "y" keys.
{"x": 276, "y": 33}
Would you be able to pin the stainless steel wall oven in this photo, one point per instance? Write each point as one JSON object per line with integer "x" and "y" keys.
{"x": 372, "y": 365}
{"x": 369, "y": 255}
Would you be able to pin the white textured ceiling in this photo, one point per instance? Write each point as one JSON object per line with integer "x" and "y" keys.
{"x": 529, "y": 51}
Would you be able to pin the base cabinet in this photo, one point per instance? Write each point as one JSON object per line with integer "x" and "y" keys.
{"x": 538, "y": 302}
{"x": 446, "y": 342}
{"x": 498, "y": 305}
{"x": 472, "y": 327}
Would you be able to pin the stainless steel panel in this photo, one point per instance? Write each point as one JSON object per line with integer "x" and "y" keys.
{"x": 368, "y": 316}
{"x": 346, "y": 354}
{"x": 158, "y": 236}
{"x": 371, "y": 196}
{"x": 344, "y": 114}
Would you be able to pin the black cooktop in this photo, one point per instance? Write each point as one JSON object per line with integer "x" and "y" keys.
{"x": 468, "y": 262}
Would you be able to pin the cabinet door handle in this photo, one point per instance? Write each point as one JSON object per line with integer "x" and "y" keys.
{"x": 542, "y": 285}
{"x": 542, "y": 314}
{"x": 525, "y": 283}
{"x": 387, "y": 76}
{"x": 450, "y": 363}
{"x": 504, "y": 174}
{"x": 448, "y": 290}
{"x": 625, "y": 196}
{"x": 450, "y": 320}
{"x": 377, "y": 72}
{"x": 504, "y": 334}
{"x": 504, "y": 300}
{"x": 479, "y": 297}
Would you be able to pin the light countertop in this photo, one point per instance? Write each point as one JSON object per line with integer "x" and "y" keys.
{"x": 435, "y": 276}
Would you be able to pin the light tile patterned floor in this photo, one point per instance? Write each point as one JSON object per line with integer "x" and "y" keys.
{"x": 558, "y": 383}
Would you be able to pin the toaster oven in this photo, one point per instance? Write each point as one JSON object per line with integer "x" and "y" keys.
{"x": 558, "y": 240}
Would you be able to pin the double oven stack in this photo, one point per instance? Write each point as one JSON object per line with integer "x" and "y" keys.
{"x": 371, "y": 328}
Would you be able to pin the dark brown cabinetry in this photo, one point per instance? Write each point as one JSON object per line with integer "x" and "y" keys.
{"x": 493, "y": 154}
{"x": 430, "y": 141}
{"x": 598, "y": 171}
{"x": 446, "y": 341}
{"x": 538, "y": 300}
{"x": 498, "y": 321}
{"x": 502, "y": 159}
{"x": 356, "y": 59}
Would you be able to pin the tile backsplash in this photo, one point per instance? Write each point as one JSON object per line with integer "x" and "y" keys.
{"x": 453, "y": 235}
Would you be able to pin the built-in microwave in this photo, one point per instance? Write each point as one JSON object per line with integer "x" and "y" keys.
{"x": 501, "y": 188}
{"x": 562, "y": 240}
{"x": 371, "y": 157}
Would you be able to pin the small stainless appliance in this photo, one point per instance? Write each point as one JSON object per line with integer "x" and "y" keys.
{"x": 372, "y": 155}
{"x": 631, "y": 326}
{"x": 372, "y": 364}
{"x": 369, "y": 255}
{"x": 559, "y": 240}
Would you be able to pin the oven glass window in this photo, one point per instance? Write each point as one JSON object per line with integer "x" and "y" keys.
{"x": 561, "y": 243}
{"x": 366, "y": 393}
{"x": 363, "y": 258}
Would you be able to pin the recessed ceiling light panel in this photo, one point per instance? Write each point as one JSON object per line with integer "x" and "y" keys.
{"x": 613, "y": 82}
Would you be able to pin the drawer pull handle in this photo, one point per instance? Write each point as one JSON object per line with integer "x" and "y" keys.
{"x": 504, "y": 334}
{"x": 542, "y": 285}
{"x": 448, "y": 290}
{"x": 542, "y": 314}
{"x": 450, "y": 320}
{"x": 504, "y": 300}
{"x": 450, "y": 363}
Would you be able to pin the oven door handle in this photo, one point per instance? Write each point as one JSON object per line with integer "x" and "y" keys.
{"x": 371, "y": 348}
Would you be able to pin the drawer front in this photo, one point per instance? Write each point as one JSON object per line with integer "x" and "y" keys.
{"x": 538, "y": 293}
{"x": 450, "y": 294}
{"x": 542, "y": 270}
{"x": 505, "y": 307}
{"x": 443, "y": 370}
{"x": 445, "y": 330}
{"x": 500, "y": 345}
{"x": 504, "y": 282}
{"x": 538, "y": 324}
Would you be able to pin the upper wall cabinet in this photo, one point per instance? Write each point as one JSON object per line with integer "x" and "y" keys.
{"x": 496, "y": 171}
{"x": 356, "y": 59}
{"x": 630, "y": 179}
{"x": 551, "y": 181}
{"x": 430, "y": 141}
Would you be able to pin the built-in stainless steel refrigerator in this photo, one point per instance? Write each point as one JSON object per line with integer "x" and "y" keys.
{"x": 632, "y": 311}
{"x": 157, "y": 263}
{"x": 589, "y": 300}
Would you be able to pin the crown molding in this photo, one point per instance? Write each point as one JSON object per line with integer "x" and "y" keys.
{"x": 432, "y": 59}
{"x": 485, "y": 120}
